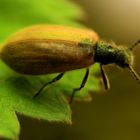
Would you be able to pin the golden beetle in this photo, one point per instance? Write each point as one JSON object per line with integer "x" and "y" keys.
{"x": 45, "y": 49}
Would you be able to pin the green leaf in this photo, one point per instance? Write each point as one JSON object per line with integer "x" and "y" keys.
{"x": 16, "y": 90}
{"x": 52, "y": 106}
{"x": 16, "y": 95}
{"x": 9, "y": 125}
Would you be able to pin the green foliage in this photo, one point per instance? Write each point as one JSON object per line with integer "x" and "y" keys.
{"x": 16, "y": 14}
{"x": 16, "y": 91}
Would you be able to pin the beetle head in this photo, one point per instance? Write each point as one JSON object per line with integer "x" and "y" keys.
{"x": 106, "y": 53}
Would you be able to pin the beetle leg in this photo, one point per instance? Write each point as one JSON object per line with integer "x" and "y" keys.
{"x": 105, "y": 79}
{"x": 58, "y": 77}
{"x": 81, "y": 86}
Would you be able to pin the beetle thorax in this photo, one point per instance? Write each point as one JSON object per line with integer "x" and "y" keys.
{"x": 107, "y": 53}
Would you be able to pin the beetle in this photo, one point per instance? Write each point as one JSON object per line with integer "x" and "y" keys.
{"x": 46, "y": 49}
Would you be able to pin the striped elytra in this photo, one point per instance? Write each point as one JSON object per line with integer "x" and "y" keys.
{"x": 46, "y": 49}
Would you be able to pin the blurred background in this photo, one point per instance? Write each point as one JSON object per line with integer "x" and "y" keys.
{"x": 114, "y": 115}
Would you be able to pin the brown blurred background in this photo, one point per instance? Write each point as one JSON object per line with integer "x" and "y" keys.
{"x": 114, "y": 115}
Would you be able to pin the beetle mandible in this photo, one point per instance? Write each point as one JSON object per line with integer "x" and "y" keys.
{"x": 45, "y": 49}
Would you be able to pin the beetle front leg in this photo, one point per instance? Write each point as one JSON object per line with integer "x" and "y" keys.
{"x": 58, "y": 77}
{"x": 81, "y": 86}
{"x": 105, "y": 78}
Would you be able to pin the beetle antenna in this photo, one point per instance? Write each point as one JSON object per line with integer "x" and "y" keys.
{"x": 134, "y": 73}
{"x": 134, "y": 45}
